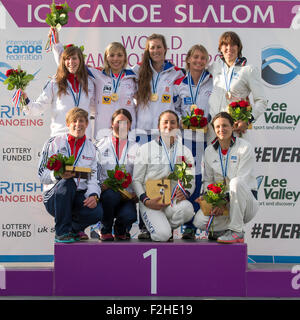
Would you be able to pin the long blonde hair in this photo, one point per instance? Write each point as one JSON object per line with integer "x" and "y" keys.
{"x": 62, "y": 72}
{"x": 145, "y": 71}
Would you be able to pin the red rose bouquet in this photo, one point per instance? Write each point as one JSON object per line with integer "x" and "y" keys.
{"x": 240, "y": 110}
{"x": 118, "y": 180}
{"x": 18, "y": 79}
{"x": 58, "y": 162}
{"x": 195, "y": 120}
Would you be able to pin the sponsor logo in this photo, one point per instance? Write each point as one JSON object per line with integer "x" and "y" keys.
{"x": 277, "y": 154}
{"x": 24, "y": 50}
{"x": 275, "y": 62}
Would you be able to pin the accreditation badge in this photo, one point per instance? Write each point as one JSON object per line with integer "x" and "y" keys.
{"x": 166, "y": 98}
{"x": 106, "y": 100}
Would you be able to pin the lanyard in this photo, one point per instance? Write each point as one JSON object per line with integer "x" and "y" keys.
{"x": 224, "y": 169}
{"x": 76, "y": 96}
{"x": 190, "y": 80}
{"x": 124, "y": 153}
{"x": 116, "y": 83}
{"x": 228, "y": 81}
{"x": 171, "y": 163}
{"x": 154, "y": 83}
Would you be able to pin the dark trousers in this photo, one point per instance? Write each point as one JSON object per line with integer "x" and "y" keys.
{"x": 115, "y": 208}
{"x": 65, "y": 204}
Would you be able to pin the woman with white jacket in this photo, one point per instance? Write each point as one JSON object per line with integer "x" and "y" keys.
{"x": 235, "y": 80}
{"x": 156, "y": 160}
{"x": 112, "y": 150}
{"x": 71, "y": 87}
{"x": 232, "y": 160}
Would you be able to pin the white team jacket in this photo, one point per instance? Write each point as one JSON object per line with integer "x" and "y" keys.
{"x": 147, "y": 116}
{"x": 107, "y": 159}
{"x": 245, "y": 80}
{"x": 152, "y": 163}
{"x": 86, "y": 158}
{"x": 105, "y": 107}
{"x": 241, "y": 163}
{"x": 182, "y": 95}
{"x": 61, "y": 105}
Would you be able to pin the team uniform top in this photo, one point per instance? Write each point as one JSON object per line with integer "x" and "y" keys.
{"x": 147, "y": 115}
{"x": 86, "y": 157}
{"x": 243, "y": 79}
{"x": 61, "y": 105}
{"x": 107, "y": 157}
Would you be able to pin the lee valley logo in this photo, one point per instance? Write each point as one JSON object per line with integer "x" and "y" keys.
{"x": 277, "y": 118}
{"x": 276, "y": 189}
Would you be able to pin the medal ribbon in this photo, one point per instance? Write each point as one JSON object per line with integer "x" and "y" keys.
{"x": 228, "y": 83}
{"x": 154, "y": 83}
{"x": 76, "y": 95}
{"x": 171, "y": 163}
{"x": 116, "y": 83}
{"x": 124, "y": 153}
{"x": 52, "y": 40}
{"x": 78, "y": 153}
{"x": 224, "y": 169}
{"x": 178, "y": 186}
{"x": 190, "y": 80}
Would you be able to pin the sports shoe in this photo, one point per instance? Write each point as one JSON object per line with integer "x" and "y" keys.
{"x": 83, "y": 236}
{"x": 188, "y": 234}
{"x": 214, "y": 235}
{"x": 106, "y": 237}
{"x": 144, "y": 234}
{"x": 65, "y": 238}
{"x": 231, "y": 237}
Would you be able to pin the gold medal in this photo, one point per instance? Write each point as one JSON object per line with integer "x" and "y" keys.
{"x": 114, "y": 97}
{"x": 154, "y": 97}
{"x": 228, "y": 95}
{"x": 193, "y": 107}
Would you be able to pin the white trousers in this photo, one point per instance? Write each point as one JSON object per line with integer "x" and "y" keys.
{"x": 161, "y": 222}
{"x": 243, "y": 208}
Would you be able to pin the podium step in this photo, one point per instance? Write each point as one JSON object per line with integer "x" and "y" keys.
{"x": 150, "y": 269}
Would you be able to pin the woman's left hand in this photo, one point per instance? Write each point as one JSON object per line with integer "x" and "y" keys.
{"x": 240, "y": 126}
{"x": 180, "y": 195}
{"x": 90, "y": 202}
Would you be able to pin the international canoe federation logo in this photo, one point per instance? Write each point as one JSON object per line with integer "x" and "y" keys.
{"x": 279, "y": 66}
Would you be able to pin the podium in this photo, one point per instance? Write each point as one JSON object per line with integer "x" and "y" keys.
{"x": 150, "y": 269}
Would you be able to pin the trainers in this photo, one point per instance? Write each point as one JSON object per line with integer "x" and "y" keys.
{"x": 106, "y": 237}
{"x": 231, "y": 237}
{"x": 95, "y": 235}
{"x": 214, "y": 235}
{"x": 188, "y": 234}
{"x": 65, "y": 238}
{"x": 83, "y": 236}
{"x": 144, "y": 235}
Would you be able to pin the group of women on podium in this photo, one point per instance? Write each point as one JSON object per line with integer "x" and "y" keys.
{"x": 151, "y": 98}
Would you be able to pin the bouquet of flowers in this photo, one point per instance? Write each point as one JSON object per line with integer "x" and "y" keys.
{"x": 195, "y": 119}
{"x": 215, "y": 196}
{"x": 58, "y": 163}
{"x": 182, "y": 176}
{"x": 18, "y": 79}
{"x": 57, "y": 18}
{"x": 118, "y": 180}
{"x": 240, "y": 110}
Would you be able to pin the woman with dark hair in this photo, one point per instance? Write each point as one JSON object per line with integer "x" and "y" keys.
{"x": 156, "y": 160}
{"x": 234, "y": 80}
{"x": 230, "y": 160}
{"x": 71, "y": 87}
{"x": 156, "y": 78}
{"x": 116, "y": 149}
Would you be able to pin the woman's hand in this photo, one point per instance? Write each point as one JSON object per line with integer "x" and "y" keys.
{"x": 104, "y": 187}
{"x": 154, "y": 204}
{"x": 90, "y": 202}
{"x": 240, "y": 126}
{"x": 217, "y": 211}
{"x": 55, "y": 33}
{"x": 180, "y": 195}
{"x": 68, "y": 175}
